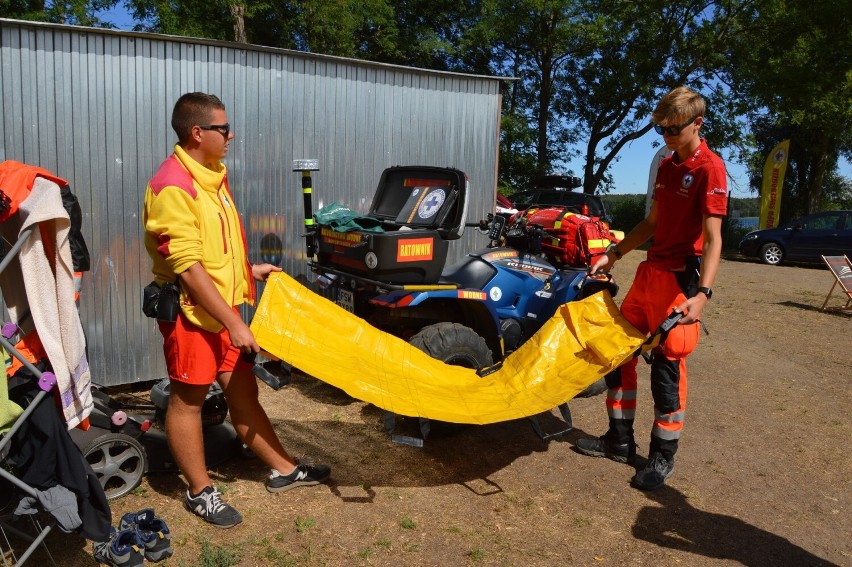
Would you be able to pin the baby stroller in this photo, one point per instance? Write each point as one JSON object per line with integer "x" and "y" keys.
{"x": 46, "y": 365}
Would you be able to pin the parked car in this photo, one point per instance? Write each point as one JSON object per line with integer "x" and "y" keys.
{"x": 803, "y": 240}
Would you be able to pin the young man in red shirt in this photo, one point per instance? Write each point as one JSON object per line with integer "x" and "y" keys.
{"x": 685, "y": 221}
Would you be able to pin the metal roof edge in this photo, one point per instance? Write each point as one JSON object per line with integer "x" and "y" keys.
{"x": 248, "y": 46}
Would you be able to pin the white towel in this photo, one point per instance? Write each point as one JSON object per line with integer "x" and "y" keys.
{"x": 49, "y": 285}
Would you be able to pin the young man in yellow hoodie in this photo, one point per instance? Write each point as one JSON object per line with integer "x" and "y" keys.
{"x": 195, "y": 237}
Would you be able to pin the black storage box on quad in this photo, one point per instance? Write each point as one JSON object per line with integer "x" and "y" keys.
{"x": 421, "y": 209}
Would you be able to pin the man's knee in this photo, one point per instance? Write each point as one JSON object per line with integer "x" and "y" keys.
{"x": 186, "y": 398}
{"x": 665, "y": 383}
{"x": 239, "y": 385}
{"x": 613, "y": 379}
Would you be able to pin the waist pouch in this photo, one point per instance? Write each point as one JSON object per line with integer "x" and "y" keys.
{"x": 688, "y": 278}
{"x": 161, "y": 302}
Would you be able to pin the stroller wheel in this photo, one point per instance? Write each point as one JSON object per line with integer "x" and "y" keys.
{"x": 119, "y": 461}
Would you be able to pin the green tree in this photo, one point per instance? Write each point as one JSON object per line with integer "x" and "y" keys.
{"x": 643, "y": 49}
{"x": 791, "y": 62}
{"x": 590, "y": 71}
{"x": 533, "y": 41}
{"x": 75, "y": 12}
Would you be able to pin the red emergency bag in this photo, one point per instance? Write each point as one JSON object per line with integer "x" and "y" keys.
{"x": 572, "y": 239}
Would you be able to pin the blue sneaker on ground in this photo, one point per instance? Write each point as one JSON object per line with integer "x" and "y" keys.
{"x": 302, "y": 475}
{"x": 120, "y": 550}
{"x": 152, "y": 533}
{"x": 209, "y": 506}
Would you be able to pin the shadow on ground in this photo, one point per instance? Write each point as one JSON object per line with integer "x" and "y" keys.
{"x": 363, "y": 456}
{"x": 806, "y": 307}
{"x": 676, "y": 524}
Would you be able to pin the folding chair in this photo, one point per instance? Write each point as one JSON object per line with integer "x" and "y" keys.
{"x": 841, "y": 269}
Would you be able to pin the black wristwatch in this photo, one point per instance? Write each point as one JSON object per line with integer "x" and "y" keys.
{"x": 706, "y": 291}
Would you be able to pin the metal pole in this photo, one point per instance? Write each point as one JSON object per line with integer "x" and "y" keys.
{"x": 306, "y": 166}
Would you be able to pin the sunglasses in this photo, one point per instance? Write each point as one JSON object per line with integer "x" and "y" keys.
{"x": 673, "y": 130}
{"x": 224, "y": 129}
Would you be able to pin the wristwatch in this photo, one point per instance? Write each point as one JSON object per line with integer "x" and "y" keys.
{"x": 706, "y": 291}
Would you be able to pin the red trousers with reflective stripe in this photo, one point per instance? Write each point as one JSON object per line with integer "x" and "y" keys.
{"x": 651, "y": 298}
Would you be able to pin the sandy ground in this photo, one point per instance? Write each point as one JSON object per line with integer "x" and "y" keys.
{"x": 763, "y": 473}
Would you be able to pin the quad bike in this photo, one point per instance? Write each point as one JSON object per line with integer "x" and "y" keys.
{"x": 472, "y": 313}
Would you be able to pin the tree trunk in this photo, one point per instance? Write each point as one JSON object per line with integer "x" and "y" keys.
{"x": 238, "y": 12}
{"x": 819, "y": 166}
{"x": 545, "y": 97}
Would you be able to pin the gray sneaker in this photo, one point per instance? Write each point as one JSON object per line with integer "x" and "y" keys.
{"x": 120, "y": 550}
{"x": 655, "y": 473}
{"x": 303, "y": 475}
{"x": 209, "y": 506}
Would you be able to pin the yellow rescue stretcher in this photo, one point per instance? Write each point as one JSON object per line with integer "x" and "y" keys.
{"x": 583, "y": 341}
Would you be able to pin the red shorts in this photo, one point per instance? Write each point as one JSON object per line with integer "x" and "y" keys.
{"x": 196, "y": 356}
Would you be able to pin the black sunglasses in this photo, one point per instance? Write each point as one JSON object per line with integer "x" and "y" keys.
{"x": 224, "y": 129}
{"x": 673, "y": 130}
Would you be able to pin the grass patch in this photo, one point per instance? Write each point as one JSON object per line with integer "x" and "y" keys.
{"x": 581, "y": 522}
{"x": 384, "y": 543}
{"x": 476, "y": 555}
{"x": 303, "y": 524}
{"x": 407, "y": 524}
{"x": 215, "y": 556}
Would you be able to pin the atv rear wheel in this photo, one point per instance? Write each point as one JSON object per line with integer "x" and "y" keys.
{"x": 454, "y": 344}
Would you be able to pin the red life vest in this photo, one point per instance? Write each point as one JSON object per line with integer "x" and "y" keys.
{"x": 16, "y": 183}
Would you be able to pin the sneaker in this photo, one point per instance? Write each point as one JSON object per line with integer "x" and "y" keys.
{"x": 303, "y": 475}
{"x": 603, "y": 447}
{"x": 152, "y": 534}
{"x": 654, "y": 474}
{"x": 120, "y": 549}
{"x": 209, "y": 506}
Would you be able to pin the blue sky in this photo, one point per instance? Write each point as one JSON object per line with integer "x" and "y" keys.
{"x": 631, "y": 172}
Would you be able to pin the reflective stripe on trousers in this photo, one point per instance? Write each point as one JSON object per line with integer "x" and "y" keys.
{"x": 651, "y": 298}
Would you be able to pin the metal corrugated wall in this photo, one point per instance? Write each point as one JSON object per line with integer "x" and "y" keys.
{"x": 94, "y": 107}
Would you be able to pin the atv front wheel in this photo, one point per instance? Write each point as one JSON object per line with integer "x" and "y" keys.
{"x": 453, "y": 344}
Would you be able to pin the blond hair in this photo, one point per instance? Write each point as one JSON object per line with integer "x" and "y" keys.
{"x": 679, "y": 105}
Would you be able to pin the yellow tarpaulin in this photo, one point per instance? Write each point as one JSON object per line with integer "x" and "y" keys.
{"x": 581, "y": 343}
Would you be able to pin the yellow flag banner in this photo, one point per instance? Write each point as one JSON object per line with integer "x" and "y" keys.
{"x": 773, "y": 181}
{"x": 581, "y": 343}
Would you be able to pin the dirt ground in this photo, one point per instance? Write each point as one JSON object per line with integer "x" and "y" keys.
{"x": 762, "y": 477}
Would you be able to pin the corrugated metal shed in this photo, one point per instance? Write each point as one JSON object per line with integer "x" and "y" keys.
{"x": 94, "y": 107}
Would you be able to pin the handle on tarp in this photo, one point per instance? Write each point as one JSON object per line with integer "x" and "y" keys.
{"x": 486, "y": 370}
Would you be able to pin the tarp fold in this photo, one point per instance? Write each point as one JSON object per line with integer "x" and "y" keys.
{"x": 582, "y": 342}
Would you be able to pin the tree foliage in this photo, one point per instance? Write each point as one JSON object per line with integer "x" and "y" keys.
{"x": 791, "y": 63}
{"x": 586, "y": 73}
{"x": 74, "y": 12}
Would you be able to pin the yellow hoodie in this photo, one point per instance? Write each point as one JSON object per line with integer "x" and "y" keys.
{"x": 190, "y": 216}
